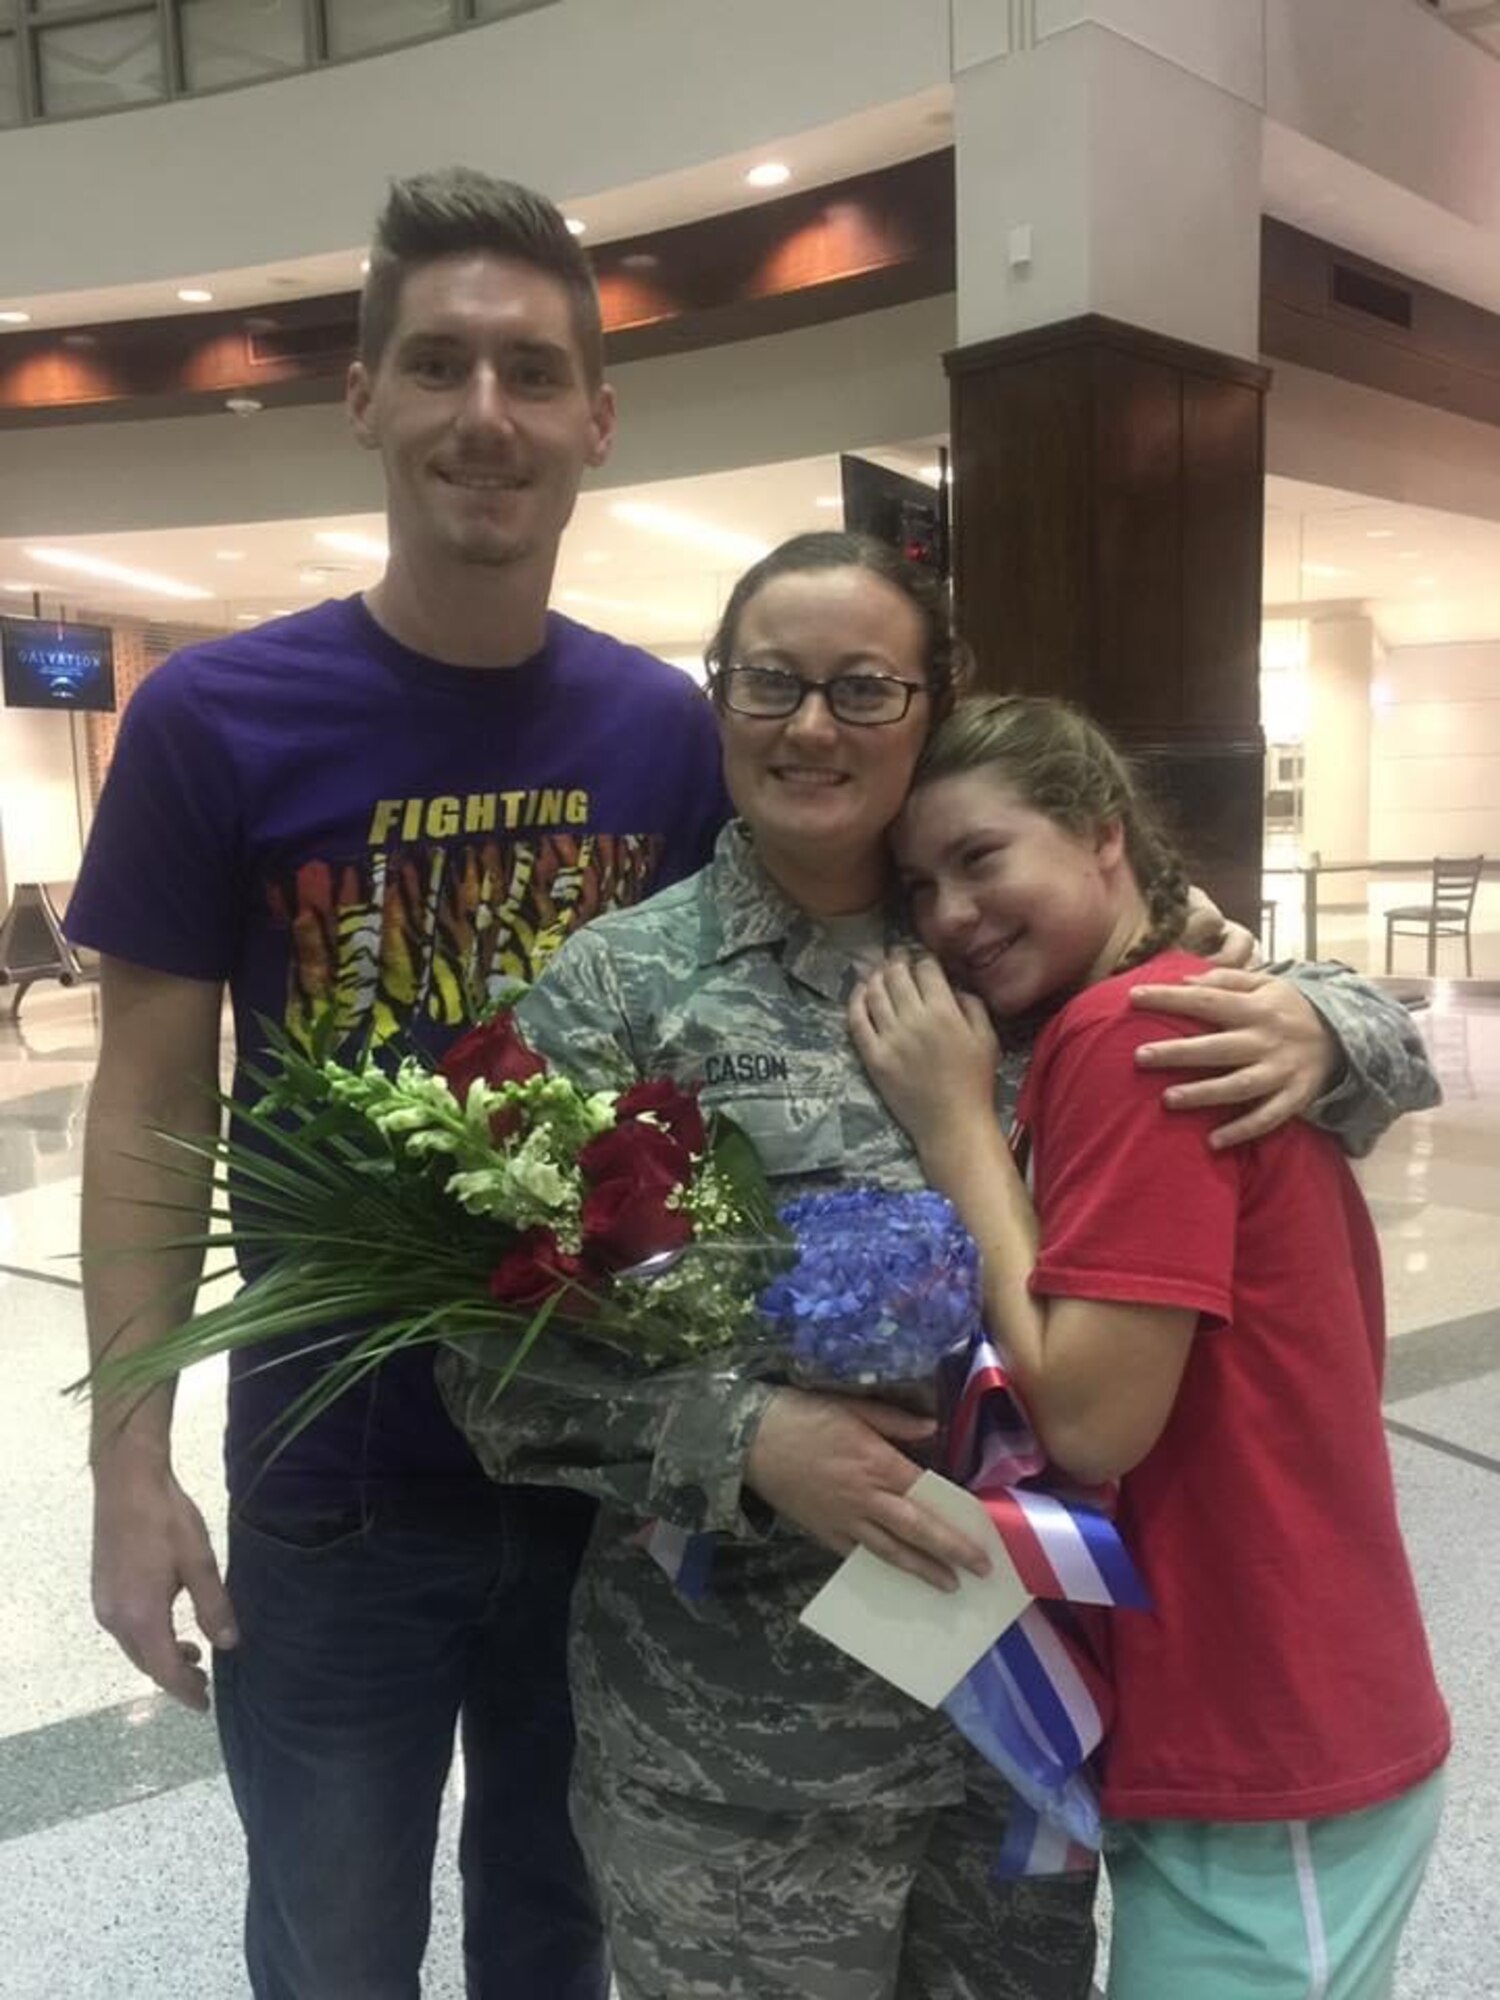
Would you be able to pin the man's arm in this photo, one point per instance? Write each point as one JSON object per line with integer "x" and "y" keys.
{"x": 158, "y": 1067}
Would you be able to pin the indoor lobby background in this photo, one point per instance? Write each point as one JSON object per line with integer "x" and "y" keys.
{"x": 1234, "y": 265}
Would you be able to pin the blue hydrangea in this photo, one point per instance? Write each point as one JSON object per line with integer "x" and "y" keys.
{"x": 885, "y": 1285}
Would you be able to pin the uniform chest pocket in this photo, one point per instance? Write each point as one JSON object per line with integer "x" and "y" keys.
{"x": 796, "y": 1132}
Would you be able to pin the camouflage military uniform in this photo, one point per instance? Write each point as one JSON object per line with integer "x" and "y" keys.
{"x": 763, "y": 1816}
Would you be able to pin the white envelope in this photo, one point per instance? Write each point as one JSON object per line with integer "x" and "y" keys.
{"x": 922, "y": 1640}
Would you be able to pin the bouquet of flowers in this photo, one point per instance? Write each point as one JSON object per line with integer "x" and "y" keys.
{"x": 884, "y": 1297}
{"x": 386, "y": 1210}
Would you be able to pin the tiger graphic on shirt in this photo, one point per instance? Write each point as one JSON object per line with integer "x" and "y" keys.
{"x": 423, "y": 934}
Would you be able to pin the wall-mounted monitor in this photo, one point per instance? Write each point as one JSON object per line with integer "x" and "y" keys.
{"x": 896, "y": 509}
{"x": 47, "y": 665}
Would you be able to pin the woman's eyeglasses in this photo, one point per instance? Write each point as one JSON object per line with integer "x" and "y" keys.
{"x": 771, "y": 694}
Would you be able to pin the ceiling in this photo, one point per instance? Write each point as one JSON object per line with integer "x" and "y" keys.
{"x": 640, "y": 578}
{"x": 881, "y": 136}
{"x": 660, "y": 578}
{"x": 1425, "y": 577}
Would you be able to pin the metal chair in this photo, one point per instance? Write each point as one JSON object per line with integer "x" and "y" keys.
{"x": 1454, "y": 886}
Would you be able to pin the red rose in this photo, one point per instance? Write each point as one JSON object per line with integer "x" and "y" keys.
{"x": 674, "y": 1108}
{"x": 625, "y": 1222}
{"x": 643, "y": 1156}
{"x": 529, "y": 1274}
{"x": 493, "y": 1053}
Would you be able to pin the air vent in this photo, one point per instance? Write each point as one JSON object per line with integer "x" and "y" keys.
{"x": 1372, "y": 296}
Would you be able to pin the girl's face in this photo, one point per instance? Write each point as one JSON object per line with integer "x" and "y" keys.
{"x": 819, "y": 794}
{"x": 1015, "y": 906}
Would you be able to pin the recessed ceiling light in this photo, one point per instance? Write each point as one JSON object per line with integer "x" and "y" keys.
{"x": 19, "y": 589}
{"x": 687, "y": 528}
{"x": 229, "y": 555}
{"x": 1381, "y": 534}
{"x": 354, "y": 545}
{"x": 113, "y": 572}
{"x": 194, "y": 295}
{"x": 15, "y": 317}
{"x": 1328, "y": 570}
{"x": 247, "y": 618}
{"x": 364, "y": 267}
{"x": 829, "y": 500}
{"x": 769, "y": 174}
{"x": 576, "y": 225}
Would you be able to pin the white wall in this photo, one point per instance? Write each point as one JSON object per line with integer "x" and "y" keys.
{"x": 1334, "y": 433}
{"x": 1435, "y": 752}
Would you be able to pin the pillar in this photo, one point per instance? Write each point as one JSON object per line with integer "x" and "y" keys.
{"x": 1107, "y": 400}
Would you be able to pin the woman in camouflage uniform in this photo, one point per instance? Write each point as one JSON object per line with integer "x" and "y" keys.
{"x": 761, "y": 1815}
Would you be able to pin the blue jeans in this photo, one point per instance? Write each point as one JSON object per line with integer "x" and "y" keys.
{"x": 365, "y": 1636}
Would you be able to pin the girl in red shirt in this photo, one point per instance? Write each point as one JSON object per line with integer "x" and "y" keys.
{"x": 1204, "y": 1325}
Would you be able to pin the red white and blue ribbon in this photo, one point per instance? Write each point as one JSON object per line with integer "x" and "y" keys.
{"x": 1037, "y": 1706}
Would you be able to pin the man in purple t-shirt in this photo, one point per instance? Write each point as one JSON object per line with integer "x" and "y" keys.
{"x": 379, "y": 810}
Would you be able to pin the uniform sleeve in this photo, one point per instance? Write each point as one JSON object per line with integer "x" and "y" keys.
{"x": 162, "y": 877}
{"x": 1134, "y": 1208}
{"x": 670, "y": 1445}
{"x": 1386, "y": 1071}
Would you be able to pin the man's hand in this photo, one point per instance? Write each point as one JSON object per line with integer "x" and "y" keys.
{"x": 1274, "y": 1046}
{"x": 150, "y": 1544}
{"x": 831, "y": 1464}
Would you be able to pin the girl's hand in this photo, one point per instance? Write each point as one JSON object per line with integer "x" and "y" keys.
{"x": 930, "y": 1052}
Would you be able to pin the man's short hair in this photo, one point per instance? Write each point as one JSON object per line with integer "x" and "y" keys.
{"x": 455, "y": 213}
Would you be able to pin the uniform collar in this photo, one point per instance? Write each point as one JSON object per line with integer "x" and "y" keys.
{"x": 746, "y": 911}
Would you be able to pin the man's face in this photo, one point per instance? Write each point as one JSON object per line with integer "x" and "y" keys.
{"x": 482, "y": 414}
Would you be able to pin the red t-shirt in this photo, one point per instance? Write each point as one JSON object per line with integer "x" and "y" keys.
{"x": 1283, "y": 1671}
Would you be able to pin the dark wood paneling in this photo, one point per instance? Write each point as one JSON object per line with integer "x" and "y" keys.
{"x": 1447, "y": 355}
{"x": 1107, "y": 541}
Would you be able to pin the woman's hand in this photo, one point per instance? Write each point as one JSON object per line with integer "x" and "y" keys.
{"x": 930, "y": 1052}
{"x": 833, "y": 1465}
{"x": 1274, "y": 1046}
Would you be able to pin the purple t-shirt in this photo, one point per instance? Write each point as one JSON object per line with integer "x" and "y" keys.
{"x": 328, "y": 821}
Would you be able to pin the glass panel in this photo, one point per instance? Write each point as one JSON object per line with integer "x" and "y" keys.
{"x": 356, "y": 27}
{"x": 99, "y": 64}
{"x": 240, "y": 41}
{"x": 10, "y": 81}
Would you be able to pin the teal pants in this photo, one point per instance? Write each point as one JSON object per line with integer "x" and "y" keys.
{"x": 1278, "y": 1910}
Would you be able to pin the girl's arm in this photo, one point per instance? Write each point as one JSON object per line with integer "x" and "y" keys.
{"x": 1098, "y": 1377}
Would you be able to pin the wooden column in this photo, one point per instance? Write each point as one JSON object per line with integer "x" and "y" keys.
{"x": 1108, "y": 517}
